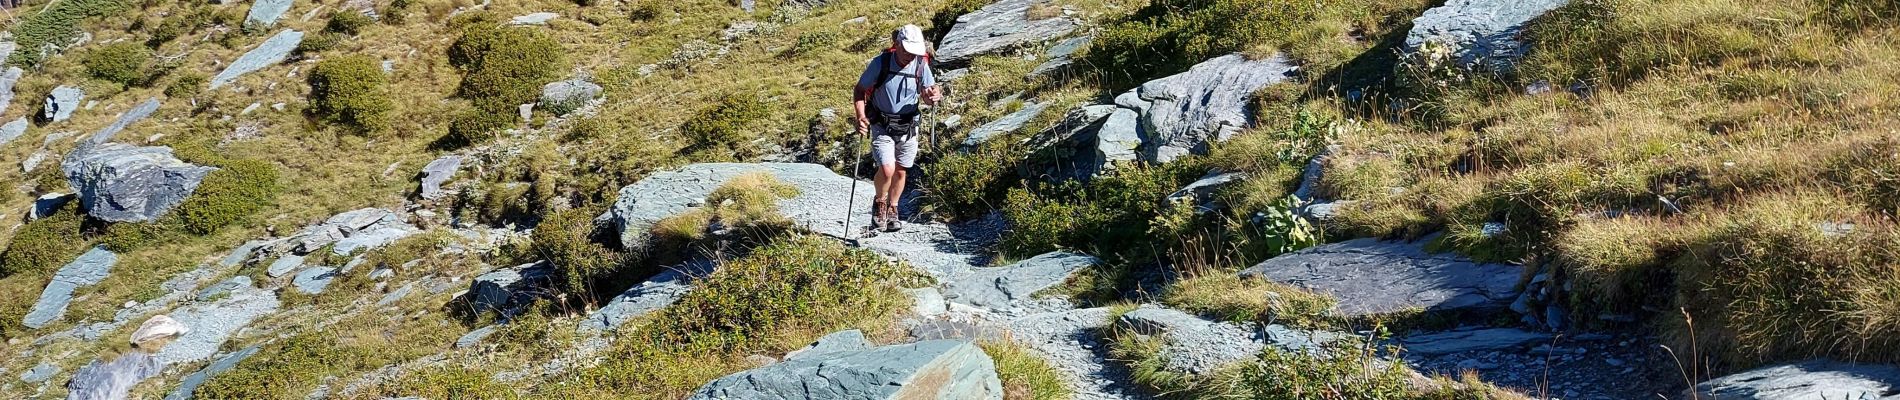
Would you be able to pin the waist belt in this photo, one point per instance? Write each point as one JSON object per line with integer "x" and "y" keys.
{"x": 897, "y": 125}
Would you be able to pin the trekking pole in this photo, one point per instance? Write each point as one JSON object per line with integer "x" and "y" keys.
{"x": 851, "y": 205}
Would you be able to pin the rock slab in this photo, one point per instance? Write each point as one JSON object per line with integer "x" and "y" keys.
{"x": 1370, "y": 277}
{"x": 437, "y": 173}
{"x": 1186, "y": 112}
{"x": 124, "y": 183}
{"x": 938, "y": 369}
{"x": 646, "y": 297}
{"x": 1477, "y": 33}
{"x": 265, "y": 13}
{"x": 87, "y": 270}
{"x": 999, "y": 27}
{"x": 1007, "y": 287}
{"x": 8, "y": 78}
{"x": 1472, "y": 340}
{"x": 192, "y": 382}
{"x": 61, "y": 102}
{"x": 504, "y": 290}
{"x": 1817, "y": 379}
{"x": 272, "y": 51}
{"x": 12, "y": 131}
{"x": 1005, "y": 125}
{"x": 210, "y": 324}
{"x": 1196, "y": 345}
{"x": 113, "y": 380}
{"x": 817, "y": 207}
{"x": 562, "y": 97}
{"x": 136, "y": 114}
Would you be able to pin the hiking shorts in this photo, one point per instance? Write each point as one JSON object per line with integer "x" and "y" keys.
{"x": 887, "y": 149}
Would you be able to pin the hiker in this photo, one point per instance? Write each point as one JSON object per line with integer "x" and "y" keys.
{"x": 886, "y": 100}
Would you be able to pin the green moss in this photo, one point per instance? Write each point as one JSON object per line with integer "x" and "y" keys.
{"x": 45, "y": 244}
{"x": 123, "y": 63}
{"x": 56, "y": 25}
{"x": 351, "y": 91}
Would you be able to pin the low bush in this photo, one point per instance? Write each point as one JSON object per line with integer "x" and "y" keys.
{"x": 1025, "y": 374}
{"x": 45, "y": 244}
{"x": 970, "y": 184}
{"x": 188, "y": 84}
{"x": 1345, "y": 369}
{"x": 477, "y": 126}
{"x": 397, "y": 12}
{"x": 348, "y": 22}
{"x": 352, "y": 91}
{"x": 505, "y": 67}
{"x": 123, "y": 63}
{"x": 1110, "y": 216}
{"x": 566, "y": 239}
{"x": 298, "y": 364}
{"x": 237, "y": 190}
{"x": 814, "y": 42}
{"x": 727, "y": 125}
{"x": 1229, "y": 297}
{"x": 318, "y": 42}
{"x": 56, "y": 25}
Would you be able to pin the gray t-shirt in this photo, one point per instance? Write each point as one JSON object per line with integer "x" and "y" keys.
{"x": 900, "y": 92}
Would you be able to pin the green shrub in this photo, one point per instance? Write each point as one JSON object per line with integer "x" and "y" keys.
{"x": 645, "y": 10}
{"x": 477, "y": 126}
{"x": 238, "y": 189}
{"x": 813, "y": 42}
{"x": 348, "y": 22}
{"x": 182, "y": 23}
{"x": 969, "y": 184}
{"x": 317, "y": 43}
{"x": 727, "y": 125}
{"x": 505, "y": 67}
{"x": 351, "y": 90}
{"x": 1169, "y": 36}
{"x": 123, "y": 63}
{"x": 45, "y": 244}
{"x": 799, "y": 283}
{"x": 1025, "y": 374}
{"x": 187, "y": 85}
{"x": 1109, "y": 217}
{"x": 566, "y": 239}
{"x": 56, "y": 25}
{"x": 397, "y": 12}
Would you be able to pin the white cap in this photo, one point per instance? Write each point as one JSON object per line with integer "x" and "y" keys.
{"x": 911, "y": 38}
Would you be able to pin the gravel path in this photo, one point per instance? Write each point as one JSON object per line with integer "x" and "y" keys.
{"x": 1066, "y": 341}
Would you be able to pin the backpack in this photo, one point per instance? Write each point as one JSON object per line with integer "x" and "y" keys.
{"x": 887, "y": 68}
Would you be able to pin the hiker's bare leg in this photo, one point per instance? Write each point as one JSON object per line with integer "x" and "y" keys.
{"x": 883, "y": 184}
{"x": 896, "y": 193}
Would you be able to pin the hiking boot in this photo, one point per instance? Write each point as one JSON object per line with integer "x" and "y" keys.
{"x": 879, "y": 220}
{"x": 892, "y": 223}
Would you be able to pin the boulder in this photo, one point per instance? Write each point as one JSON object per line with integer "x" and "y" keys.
{"x": 1195, "y": 345}
{"x": 227, "y": 286}
{"x": 12, "y": 131}
{"x": 1370, "y": 277}
{"x": 272, "y": 51}
{"x": 1816, "y": 379}
{"x": 817, "y": 207}
{"x": 225, "y": 364}
{"x": 48, "y": 204}
{"x": 1472, "y": 340}
{"x": 124, "y": 183}
{"x": 242, "y": 253}
{"x": 1476, "y": 33}
{"x": 1202, "y": 191}
{"x": 1208, "y": 103}
{"x": 349, "y": 232}
{"x": 1005, "y": 125}
{"x": 265, "y": 13}
{"x": 1117, "y": 141}
{"x": 209, "y": 324}
{"x": 540, "y": 18}
{"x": 8, "y": 77}
{"x": 836, "y": 342}
{"x": 284, "y": 265}
{"x": 475, "y": 337}
{"x": 1060, "y": 57}
{"x": 136, "y": 114}
{"x": 314, "y": 280}
{"x": 87, "y": 270}
{"x": 61, "y": 102}
{"x": 562, "y": 97}
{"x": 508, "y": 289}
{"x": 1009, "y": 287}
{"x": 113, "y": 380}
{"x": 156, "y": 331}
{"x": 40, "y": 373}
{"x": 999, "y": 27}
{"x": 937, "y": 369}
{"x": 646, "y": 297}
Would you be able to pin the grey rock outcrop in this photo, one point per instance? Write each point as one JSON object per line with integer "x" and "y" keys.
{"x": 272, "y": 51}
{"x": 314, "y": 280}
{"x": 87, "y": 270}
{"x": 136, "y": 114}
{"x": 1817, "y": 379}
{"x": 8, "y": 78}
{"x": 669, "y": 193}
{"x": 113, "y": 380}
{"x": 61, "y": 102}
{"x": 938, "y": 369}
{"x": 836, "y": 342}
{"x": 40, "y": 373}
{"x": 540, "y": 18}
{"x": 1202, "y": 191}
{"x": 561, "y": 97}
{"x": 1476, "y": 33}
{"x": 506, "y": 290}
{"x": 1060, "y": 56}
{"x": 646, "y": 297}
{"x": 284, "y": 265}
{"x": 1182, "y": 114}
{"x": 1005, "y": 125}
{"x": 1196, "y": 345}
{"x": 124, "y": 183}
{"x": 345, "y": 233}
{"x": 999, "y": 27}
{"x": 1009, "y": 287}
{"x": 1369, "y": 277}
{"x": 1471, "y": 340}
{"x": 210, "y": 324}
{"x": 12, "y": 131}
{"x": 437, "y": 173}
{"x": 225, "y": 364}
{"x": 265, "y": 13}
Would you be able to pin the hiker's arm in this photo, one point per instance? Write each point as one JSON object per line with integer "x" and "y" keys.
{"x": 933, "y": 94}
{"x": 859, "y": 95}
